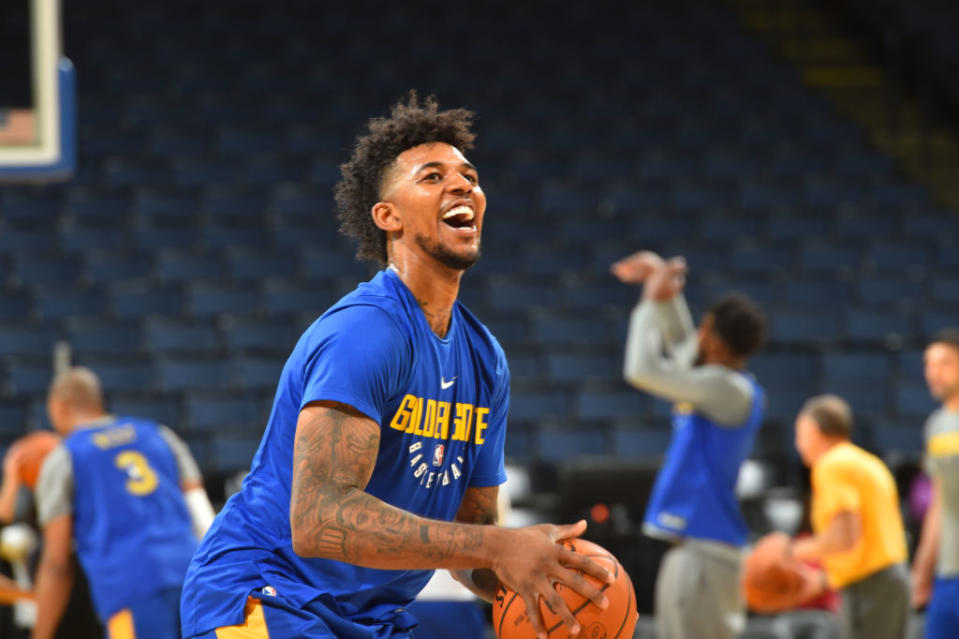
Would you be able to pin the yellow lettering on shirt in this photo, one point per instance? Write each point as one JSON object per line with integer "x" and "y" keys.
{"x": 429, "y": 419}
{"x": 442, "y": 420}
{"x": 462, "y": 422}
{"x": 943, "y": 444}
{"x": 401, "y": 420}
{"x": 113, "y": 437}
{"x": 481, "y": 424}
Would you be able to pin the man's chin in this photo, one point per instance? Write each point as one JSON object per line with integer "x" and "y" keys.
{"x": 459, "y": 261}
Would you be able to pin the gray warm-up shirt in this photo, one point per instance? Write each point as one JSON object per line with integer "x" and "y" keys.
{"x": 661, "y": 353}
{"x": 942, "y": 463}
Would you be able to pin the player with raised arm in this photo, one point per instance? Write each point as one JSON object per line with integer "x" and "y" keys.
{"x": 388, "y": 424}
{"x": 717, "y": 413}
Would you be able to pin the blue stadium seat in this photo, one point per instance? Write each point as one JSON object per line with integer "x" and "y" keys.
{"x": 13, "y": 419}
{"x": 913, "y": 399}
{"x": 29, "y": 376}
{"x": 255, "y": 334}
{"x": 189, "y": 374}
{"x": 256, "y": 264}
{"x": 121, "y": 375}
{"x": 561, "y": 443}
{"x": 259, "y": 373}
{"x": 57, "y": 302}
{"x": 569, "y": 367}
{"x": 805, "y": 292}
{"x": 115, "y": 266}
{"x": 640, "y": 442}
{"x": 539, "y": 404}
{"x": 888, "y": 289}
{"x": 177, "y": 265}
{"x": 284, "y": 297}
{"x": 46, "y": 268}
{"x": 204, "y": 300}
{"x": 164, "y": 335}
{"x": 612, "y": 403}
{"x": 221, "y": 412}
{"x": 27, "y": 339}
{"x": 876, "y": 325}
{"x": 162, "y": 408}
{"x": 855, "y": 368}
{"x": 819, "y": 257}
{"x": 140, "y": 300}
{"x": 96, "y": 336}
{"x": 784, "y": 369}
{"x": 234, "y": 454}
{"x": 801, "y": 326}
{"x": 895, "y": 256}
{"x": 898, "y": 436}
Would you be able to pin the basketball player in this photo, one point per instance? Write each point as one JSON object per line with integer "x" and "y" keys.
{"x": 938, "y": 550}
{"x": 127, "y": 493}
{"x": 17, "y": 503}
{"x": 389, "y": 422}
{"x": 859, "y": 537}
{"x": 718, "y": 410}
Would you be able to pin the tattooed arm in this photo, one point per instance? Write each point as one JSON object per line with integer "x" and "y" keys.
{"x": 331, "y": 516}
{"x": 479, "y": 507}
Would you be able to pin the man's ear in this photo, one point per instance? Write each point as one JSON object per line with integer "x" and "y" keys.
{"x": 385, "y": 218}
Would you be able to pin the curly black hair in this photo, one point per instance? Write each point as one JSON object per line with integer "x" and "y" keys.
{"x": 739, "y": 323}
{"x": 410, "y": 124}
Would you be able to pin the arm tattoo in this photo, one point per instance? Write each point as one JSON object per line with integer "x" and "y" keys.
{"x": 479, "y": 506}
{"x": 331, "y": 515}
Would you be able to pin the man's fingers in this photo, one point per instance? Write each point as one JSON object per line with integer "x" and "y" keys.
{"x": 583, "y": 563}
{"x": 577, "y": 582}
{"x": 559, "y": 608}
{"x": 569, "y": 531}
{"x": 535, "y": 616}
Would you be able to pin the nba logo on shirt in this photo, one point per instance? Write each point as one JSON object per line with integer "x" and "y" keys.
{"x": 438, "y": 451}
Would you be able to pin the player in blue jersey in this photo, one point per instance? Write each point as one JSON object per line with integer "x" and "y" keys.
{"x": 383, "y": 454}
{"x": 128, "y": 494}
{"x": 718, "y": 410}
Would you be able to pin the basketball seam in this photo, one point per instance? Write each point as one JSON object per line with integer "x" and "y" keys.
{"x": 585, "y": 603}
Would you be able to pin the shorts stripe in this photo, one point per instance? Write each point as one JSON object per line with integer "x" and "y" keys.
{"x": 120, "y": 625}
{"x": 253, "y": 626}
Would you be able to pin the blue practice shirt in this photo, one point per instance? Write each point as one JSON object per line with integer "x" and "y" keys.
{"x": 441, "y": 404}
{"x": 694, "y": 494}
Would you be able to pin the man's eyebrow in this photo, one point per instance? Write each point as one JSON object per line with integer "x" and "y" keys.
{"x": 435, "y": 164}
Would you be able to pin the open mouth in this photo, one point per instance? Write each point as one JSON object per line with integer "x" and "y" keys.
{"x": 460, "y": 217}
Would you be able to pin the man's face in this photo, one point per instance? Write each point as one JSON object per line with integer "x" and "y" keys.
{"x": 807, "y": 438}
{"x": 942, "y": 370}
{"x": 436, "y": 195}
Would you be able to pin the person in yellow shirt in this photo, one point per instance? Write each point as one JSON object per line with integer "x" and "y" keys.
{"x": 859, "y": 537}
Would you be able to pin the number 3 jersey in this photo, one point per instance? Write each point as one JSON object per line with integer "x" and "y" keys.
{"x": 441, "y": 405}
{"x": 120, "y": 480}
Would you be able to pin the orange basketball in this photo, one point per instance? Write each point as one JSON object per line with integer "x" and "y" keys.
{"x": 772, "y": 580}
{"x": 511, "y": 621}
{"x": 33, "y": 449}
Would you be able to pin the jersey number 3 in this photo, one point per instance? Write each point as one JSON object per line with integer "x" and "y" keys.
{"x": 141, "y": 478}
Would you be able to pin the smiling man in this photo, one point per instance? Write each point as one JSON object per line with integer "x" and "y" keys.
{"x": 384, "y": 451}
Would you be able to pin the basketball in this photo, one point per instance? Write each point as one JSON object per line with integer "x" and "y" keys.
{"x": 772, "y": 580}
{"x": 33, "y": 449}
{"x": 511, "y": 621}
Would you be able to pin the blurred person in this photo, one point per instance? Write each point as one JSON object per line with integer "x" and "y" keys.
{"x": 17, "y": 505}
{"x": 938, "y": 551}
{"x": 858, "y": 533}
{"x": 718, "y": 411}
{"x": 383, "y": 455}
{"x": 128, "y": 494}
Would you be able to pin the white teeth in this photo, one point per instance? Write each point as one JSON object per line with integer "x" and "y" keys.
{"x": 459, "y": 210}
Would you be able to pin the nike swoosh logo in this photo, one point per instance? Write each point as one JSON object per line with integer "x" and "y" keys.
{"x": 446, "y": 384}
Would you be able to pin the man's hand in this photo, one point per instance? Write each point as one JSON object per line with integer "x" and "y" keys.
{"x": 666, "y": 281}
{"x": 533, "y": 562}
{"x": 921, "y": 588}
{"x": 635, "y": 268}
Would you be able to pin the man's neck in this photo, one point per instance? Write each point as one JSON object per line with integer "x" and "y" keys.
{"x": 434, "y": 286}
{"x": 951, "y": 404}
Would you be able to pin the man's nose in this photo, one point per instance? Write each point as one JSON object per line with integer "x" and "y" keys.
{"x": 460, "y": 185}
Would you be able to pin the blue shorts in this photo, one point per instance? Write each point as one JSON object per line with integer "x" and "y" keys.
{"x": 942, "y": 616}
{"x": 157, "y": 617}
{"x": 267, "y": 617}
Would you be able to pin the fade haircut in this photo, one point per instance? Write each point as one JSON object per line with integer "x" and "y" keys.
{"x": 79, "y": 387}
{"x": 739, "y": 323}
{"x": 831, "y": 413}
{"x": 411, "y": 123}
